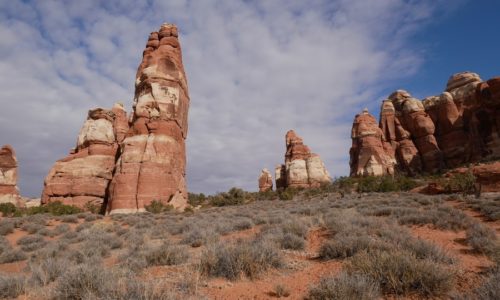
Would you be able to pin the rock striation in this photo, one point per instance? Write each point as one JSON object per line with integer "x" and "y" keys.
{"x": 265, "y": 181}
{"x": 302, "y": 169}
{"x": 82, "y": 178}
{"x": 124, "y": 163}
{"x": 461, "y": 125}
{"x": 9, "y": 192}
{"x": 152, "y": 163}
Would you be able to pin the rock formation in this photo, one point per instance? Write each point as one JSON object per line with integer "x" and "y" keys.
{"x": 461, "y": 125}
{"x": 370, "y": 154}
{"x": 152, "y": 163}
{"x": 9, "y": 193}
{"x": 82, "y": 178}
{"x": 265, "y": 181}
{"x": 302, "y": 169}
{"x": 123, "y": 164}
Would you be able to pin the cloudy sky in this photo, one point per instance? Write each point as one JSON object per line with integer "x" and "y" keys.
{"x": 255, "y": 70}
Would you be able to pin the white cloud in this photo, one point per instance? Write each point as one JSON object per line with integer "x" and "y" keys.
{"x": 255, "y": 70}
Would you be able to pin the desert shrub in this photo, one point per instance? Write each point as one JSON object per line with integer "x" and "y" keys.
{"x": 166, "y": 255}
{"x": 11, "y": 255}
{"x": 92, "y": 207}
{"x": 281, "y": 291}
{"x": 47, "y": 270}
{"x": 345, "y": 287}
{"x": 61, "y": 228}
{"x": 401, "y": 273}
{"x": 344, "y": 246}
{"x": 157, "y": 207}
{"x": 196, "y": 199}
{"x": 69, "y": 219}
{"x": 242, "y": 224}
{"x": 11, "y": 286}
{"x": 426, "y": 250}
{"x": 199, "y": 237}
{"x": 489, "y": 289}
{"x": 31, "y": 242}
{"x": 55, "y": 208}
{"x": 91, "y": 217}
{"x": 482, "y": 238}
{"x": 234, "y": 196}
{"x": 244, "y": 257}
{"x": 385, "y": 184}
{"x": 288, "y": 193}
{"x": 463, "y": 182}
{"x": 6, "y": 227}
{"x": 296, "y": 227}
{"x": 8, "y": 209}
{"x": 83, "y": 226}
{"x": 84, "y": 282}
{"x": 291, "y": 241}
{"x": 32, "y": 228}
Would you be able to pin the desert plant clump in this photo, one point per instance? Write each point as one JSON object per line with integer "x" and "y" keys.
{"x": 482, "y": 239}
{"x": 11, "y": 286}
{"x": 8, "y": 209}
{"x": 234, "y": 196}
{"x": 6, "y": 227}
{"x": 249, "y": 258}
{"x": 157, "y": 207}
{"x": 345, "y": 287}
{"x": 166, "y": 255}
{"x": 31, "y": 242}
{"x": 55, "y": 208}
{"x": 401, "y": 273}
{"x": 462, "y": 182}
{"x": 281, "y": 290}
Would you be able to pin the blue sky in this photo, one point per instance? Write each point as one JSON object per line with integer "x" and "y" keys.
{"x": 255, "y": 70}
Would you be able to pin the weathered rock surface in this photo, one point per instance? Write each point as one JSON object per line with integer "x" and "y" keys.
{"x": 152, "y": 163}
{"x": 370, "y": 154}
{"x": 83, "y": 176}
{"x": 461, "y": 125}
{"x": 265, "y": 181}
{"x": 302, "y": 169}
{"x": 9, "y": 192}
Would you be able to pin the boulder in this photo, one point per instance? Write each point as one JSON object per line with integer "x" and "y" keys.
{"x": 152, "y": 161}
{"x": 265, "y": 181}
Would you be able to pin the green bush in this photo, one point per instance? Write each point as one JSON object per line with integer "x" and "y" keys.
{"x": 287, "y": 194}
{"x": 157, "y": 207}
{"x": 464, "y": 183}
{"x": 8, "y": 209}
{"x": 234, "y": 196}
{"x": 196, "y": 199}
{"x": 55, "y": 208}
{"x": 385, "y": 184}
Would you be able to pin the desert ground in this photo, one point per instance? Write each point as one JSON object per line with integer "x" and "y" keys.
{"x": 321, "y": 244}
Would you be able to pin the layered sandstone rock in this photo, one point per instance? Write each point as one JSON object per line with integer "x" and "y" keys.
{"x": 9, "y": 193}
{"x": 82, "y": 178}
{"x": 152, "y": 162}
{"x": 461, "y": 125}
{"x": 302, "y": 169}
{"x": 265, "y": 181}
{"x": 370, "y": 154}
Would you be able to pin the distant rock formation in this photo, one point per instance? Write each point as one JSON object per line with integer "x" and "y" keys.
{"x": 462, "y": 125}
{"x": 265, "y": 181}
{"x": 302, "y": 169}
{"x": 9, "y": 192}
{"x": 123, "y": 164}
{"x": 152, "y": 164}
{"x": 370, "y": 154}
{"x": 82, "y": 178}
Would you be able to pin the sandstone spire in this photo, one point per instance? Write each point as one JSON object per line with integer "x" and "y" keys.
{"x": 152, "y": 164}
{"x": 302, "y": 168}
{"x": 265, "y": 181}
{"x": 9, "y": 193}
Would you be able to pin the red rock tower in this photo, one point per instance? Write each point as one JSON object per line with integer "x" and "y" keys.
{"x": 9, "y": 193}
{"x": 152, "y": 164}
